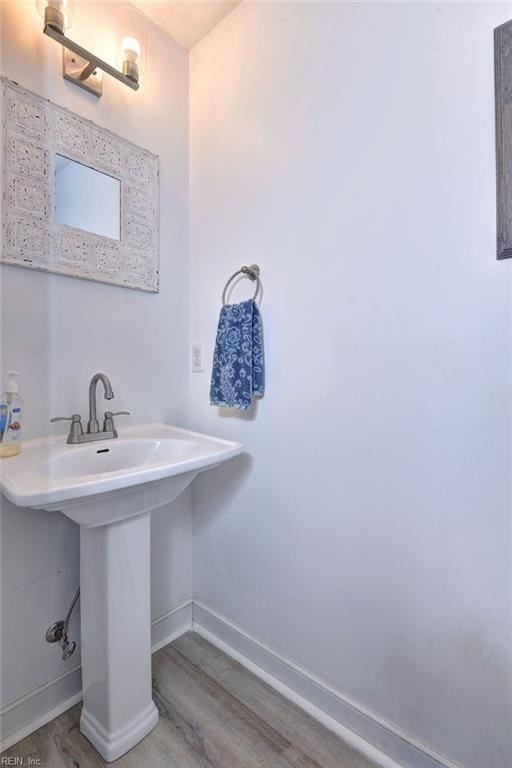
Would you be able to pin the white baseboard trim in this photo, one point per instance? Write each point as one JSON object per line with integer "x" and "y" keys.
{"x": 24, "y": 711}
{"x": 27, "y": 714}
{"x": 381, "y": 742}
{"x": 171, "y": 625}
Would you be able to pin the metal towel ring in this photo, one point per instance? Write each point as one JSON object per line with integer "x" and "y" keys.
{"x": 252, "y": 272}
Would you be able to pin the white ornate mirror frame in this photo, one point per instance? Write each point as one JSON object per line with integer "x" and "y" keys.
{"x": 34, "y": 131}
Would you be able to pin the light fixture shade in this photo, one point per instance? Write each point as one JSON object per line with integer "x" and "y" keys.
{"x": 131, "y": 40}
{"x": 57, "y": 12}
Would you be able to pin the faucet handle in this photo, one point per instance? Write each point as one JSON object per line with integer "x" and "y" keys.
{"x": 108, "y": 421}
{"x": 75, "y": 418}
{"x": 75, "y": 428}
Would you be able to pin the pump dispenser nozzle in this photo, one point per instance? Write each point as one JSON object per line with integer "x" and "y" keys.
{"x": 12, "y": 384}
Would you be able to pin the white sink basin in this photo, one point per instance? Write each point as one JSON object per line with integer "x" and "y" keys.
{"x": 122, "y": 456}
{"x": 49, "y": 474}
{"x": 109, "y": 488}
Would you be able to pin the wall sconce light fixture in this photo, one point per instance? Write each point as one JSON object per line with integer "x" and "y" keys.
{"x": 131, "y": 52}
{"x": 82, "y": 67}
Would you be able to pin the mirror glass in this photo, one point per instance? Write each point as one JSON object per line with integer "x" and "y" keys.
{"x": 87, "y": 199}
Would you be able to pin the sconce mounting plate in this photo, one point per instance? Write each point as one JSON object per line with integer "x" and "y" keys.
{"x": 78, "y": 71}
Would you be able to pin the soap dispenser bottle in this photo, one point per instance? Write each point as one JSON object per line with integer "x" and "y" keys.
{"x": 11, "y": 412}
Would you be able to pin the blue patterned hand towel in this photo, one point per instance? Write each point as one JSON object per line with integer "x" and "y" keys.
{"x": 238, "y": 370}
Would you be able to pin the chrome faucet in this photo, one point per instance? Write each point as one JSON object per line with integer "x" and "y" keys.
{"x": 76, "y": 432}
{"x": 92, "y": 425}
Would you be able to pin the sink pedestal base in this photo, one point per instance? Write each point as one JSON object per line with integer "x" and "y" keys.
{"x": 118, "y": 710}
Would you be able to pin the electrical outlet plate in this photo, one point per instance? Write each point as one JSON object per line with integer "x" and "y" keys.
{"x": 197, "y": 358}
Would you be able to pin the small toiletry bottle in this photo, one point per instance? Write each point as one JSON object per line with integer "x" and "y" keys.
{"x": 11, "y": 412}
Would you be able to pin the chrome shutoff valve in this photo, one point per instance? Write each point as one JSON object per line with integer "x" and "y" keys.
{"x": 58, "y": 631}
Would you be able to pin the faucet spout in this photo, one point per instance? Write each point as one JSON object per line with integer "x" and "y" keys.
{"x": 92, "y": 425}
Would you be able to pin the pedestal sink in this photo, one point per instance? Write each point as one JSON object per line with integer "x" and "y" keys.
{"x": 109, "y": 488}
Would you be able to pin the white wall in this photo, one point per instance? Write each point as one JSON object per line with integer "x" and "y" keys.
{"x": 349, "y": 150}
{"x": 59, "y": 331}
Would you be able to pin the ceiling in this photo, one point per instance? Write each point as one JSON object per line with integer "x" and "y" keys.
{"x": 186, "y": 21}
